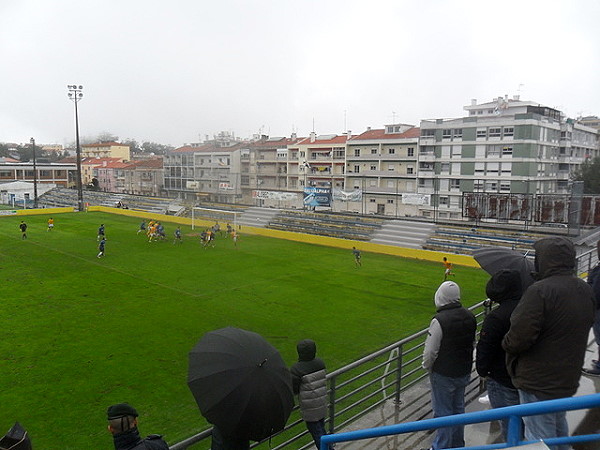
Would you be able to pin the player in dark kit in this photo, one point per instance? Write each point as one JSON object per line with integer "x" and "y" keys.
{"x": 101, "y": 247}
{"x": 23, "y": 228}
{"x": 101, "y": 232}
{"x": 356, "y": 254}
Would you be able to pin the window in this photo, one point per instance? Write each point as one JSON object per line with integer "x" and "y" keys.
{"x": 391, "y": 151}
{"x": 427, "y": 132}
{"x": 338, "y": 154}
{"x": 495, "y": 132}
{"x": 410, "y": 170}
{"x": 357, "y": 152}
{"x": 302, "y": 154}
{"x": 445, "y": 167}
{"x": 410, "y": 151}
{"x": 372, "y": 200}
{"x": 390, "y": 201}
{"x": 493, "y": 151}
{"x": 505, "y": 186}
{"x": 481, "y": 134}
{"x": 373, "y": 151}
{"x": 373, "y": 167}
{"x": 457, "y": 133}
{"x": 391, "y": 167}
{"x": 454, "y": 183}
{"x": 446, "y": 134}
{"x": 443, "y": 200}
{"x": 509, "y": 131}
{"x": 507, "y": 151}
{"x": 356, "y": 168}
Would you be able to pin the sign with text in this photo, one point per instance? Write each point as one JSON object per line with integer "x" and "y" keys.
{"x": 314, "y": 196}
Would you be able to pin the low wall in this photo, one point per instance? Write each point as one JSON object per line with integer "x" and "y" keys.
{"x": 427, "y": 255}
{"x": 36, "y": 212}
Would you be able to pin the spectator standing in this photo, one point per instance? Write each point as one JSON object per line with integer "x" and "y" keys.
{"x": 122, "y": 424}
{"x": 448, "y": 356}
{"x": 310, "y": 383}
{"x": 23, "y": 228}
{"x": 548, "y": 334}
{"x": 505, "y": 289}
{"x": 594, "y": 282}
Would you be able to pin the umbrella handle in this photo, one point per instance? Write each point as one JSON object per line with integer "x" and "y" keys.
{"x": 262, "y": 363}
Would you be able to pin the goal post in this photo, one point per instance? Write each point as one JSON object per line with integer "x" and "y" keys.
{"x": 208, "y": 216}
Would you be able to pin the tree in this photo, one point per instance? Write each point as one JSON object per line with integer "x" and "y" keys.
{"x": 105, "y": 136}
{"x": 134, "y": 146}
{"x": 589, "y": 173}
{"x": 157, "y": 149}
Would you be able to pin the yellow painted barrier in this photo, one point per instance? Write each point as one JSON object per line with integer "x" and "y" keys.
{"x": 44, "y": 211}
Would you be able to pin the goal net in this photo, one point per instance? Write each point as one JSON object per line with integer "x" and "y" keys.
{"x": 206, "y": 217}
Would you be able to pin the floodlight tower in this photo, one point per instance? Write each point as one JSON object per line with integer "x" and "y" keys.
{"x": 76, "y": 94}
{"x": 35, "y": 190}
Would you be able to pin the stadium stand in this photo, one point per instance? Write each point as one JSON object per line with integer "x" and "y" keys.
{"x": 343, "y": 226}
{"x": 465, "y": 239}
{"x": 68, "y": 197}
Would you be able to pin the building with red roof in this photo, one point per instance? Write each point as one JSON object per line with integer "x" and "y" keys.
{"x": 381, "y": 165}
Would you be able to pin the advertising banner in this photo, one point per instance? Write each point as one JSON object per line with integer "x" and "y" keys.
{"x": 348, "y": 196}
{"x": 314, "y": 196}
{"x": 274, "y": 195}
{"x": 416, "y": 199}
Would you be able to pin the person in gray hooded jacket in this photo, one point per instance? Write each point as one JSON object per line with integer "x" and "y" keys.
{"x": 310, "y": 383}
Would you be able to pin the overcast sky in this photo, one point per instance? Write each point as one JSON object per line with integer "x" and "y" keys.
{"x": 173, "y": 72}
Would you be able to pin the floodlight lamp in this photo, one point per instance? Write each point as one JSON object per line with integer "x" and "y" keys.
{"x": 32, "y": 141}
{"x": 80, "y": 87}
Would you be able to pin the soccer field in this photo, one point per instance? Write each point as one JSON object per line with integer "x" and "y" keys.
{"x": 81, "y": 332}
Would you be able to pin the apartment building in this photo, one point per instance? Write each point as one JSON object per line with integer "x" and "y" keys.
{"x": 382, "y": 164}
{"x": 269, "y": 172}
{"x": 507, "y": 146}
{"x": 209, "y": 171}
{"x": 106, "y": 150}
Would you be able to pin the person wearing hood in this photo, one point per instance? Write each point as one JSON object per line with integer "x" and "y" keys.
{"x": 505, "y": 289}
{"x": 309, "y": 381}
{"x": 594, "y": 281}
{"x": 548, "y": 334}
{"x": 448, "y": 356}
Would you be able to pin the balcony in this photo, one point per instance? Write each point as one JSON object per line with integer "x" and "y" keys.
{"x": 426, "y": 156}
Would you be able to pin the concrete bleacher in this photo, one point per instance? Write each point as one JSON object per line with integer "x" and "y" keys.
{"x": 343, "y": 226}
{"x": 403, "y": 233}
{"x": 464, "y": 239}
{"x": 68, "y": 197}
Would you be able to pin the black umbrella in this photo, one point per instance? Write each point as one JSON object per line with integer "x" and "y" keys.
{"x": 493, "y": 259}
{"x": 240, "y": 383}
{"x": 15, "y": 439}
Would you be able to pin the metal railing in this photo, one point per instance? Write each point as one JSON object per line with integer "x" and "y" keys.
{"x": 362, "y": 386}
{"x": 512, "y": 413}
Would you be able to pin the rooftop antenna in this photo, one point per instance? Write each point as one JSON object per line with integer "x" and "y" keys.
{"x": 393, "y": 117}
{"x": 313, "y": 125}
{"x": 345, "y": 120}
{"x": 519, "y": 90}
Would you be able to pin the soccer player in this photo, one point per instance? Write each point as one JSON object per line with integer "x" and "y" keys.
{"x": 23, "y": 228}
{"x": 101, "y": 232}
{"x": 229, "y": 229}
{"x": 50, "y": 224}
{"x": 101, "y": 247}
{"x": 356, "y": 253}
{"x": 178, "y": 235}
{"x": 448, "y": 269}
{"x": 234, "y": 238}
{"x": 142, "y": 227}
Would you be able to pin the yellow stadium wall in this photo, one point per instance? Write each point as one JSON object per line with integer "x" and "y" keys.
{"x": 43, "y": 211}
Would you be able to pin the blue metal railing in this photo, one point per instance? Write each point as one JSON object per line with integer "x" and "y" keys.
{"x": 512, "y": 413}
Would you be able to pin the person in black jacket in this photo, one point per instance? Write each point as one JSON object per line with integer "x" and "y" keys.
{"x": 122, "y": 424}
{"x": 594, "y": 281}
{"x": 505, "y": 289}
{"x": 448, "y": 356}
{"x": 310, "y": 383}
{"x": 548, "y": 335}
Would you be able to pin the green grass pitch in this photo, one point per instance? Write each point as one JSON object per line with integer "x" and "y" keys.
{"x": 80, "y": 333}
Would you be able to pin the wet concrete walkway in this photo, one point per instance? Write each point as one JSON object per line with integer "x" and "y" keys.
{"x": 476, "y": 434}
